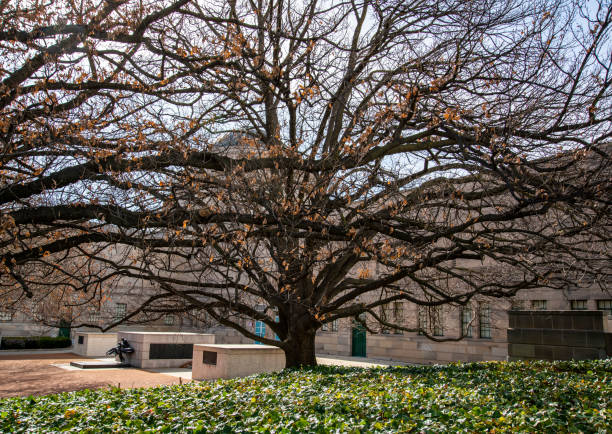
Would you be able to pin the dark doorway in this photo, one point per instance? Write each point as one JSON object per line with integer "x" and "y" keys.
{"x": 358, "y": 347}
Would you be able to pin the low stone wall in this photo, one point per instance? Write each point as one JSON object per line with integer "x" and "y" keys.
{"x": 26, "y": 329}
{"x": 235, "y": 360}
{"x": 93, "y": 344}
{"x": 419, "y": 349}
{"x": 558, "y": 335}
{"x": 334, "y": 343}
{"x": 414, "y": 349}
{"x": 162, "y": 349}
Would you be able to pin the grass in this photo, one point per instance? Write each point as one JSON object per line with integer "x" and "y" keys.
{"x": 492, "y": 396}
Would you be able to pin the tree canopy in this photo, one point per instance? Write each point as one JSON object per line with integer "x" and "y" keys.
{"x": 316, "y": 158}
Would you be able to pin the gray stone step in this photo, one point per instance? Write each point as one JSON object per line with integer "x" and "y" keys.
{"x": 99, "y": 365}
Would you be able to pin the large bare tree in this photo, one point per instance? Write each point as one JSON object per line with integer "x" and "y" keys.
{"x": 299, "y": 162}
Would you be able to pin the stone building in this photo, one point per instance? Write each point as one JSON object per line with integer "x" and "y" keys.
{"x": 483, "y": 325}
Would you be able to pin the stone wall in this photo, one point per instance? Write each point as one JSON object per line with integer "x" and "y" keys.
{"x": 147, "y": 353}
{"x": 415, "y": 349}
{"x": 93, "y": 344}
{"x": 559, "y": 335}
{"x": 24, "y": 328}
{"x": 226, "y": 335}
{"x": 419, "y": 349}
{"x": 335, "y": 343}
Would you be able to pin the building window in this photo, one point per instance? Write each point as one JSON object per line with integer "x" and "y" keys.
{"x": 518, "y": 305}
{"x": 6, "y": 315}
{"x": 538, "y": 304}
{"x": 605, "y": 305}
{"x": 169, "y": 320}
{"x": 330, "y": 326}
{"x": 430, "y": 320}
{"x": 120, "y": 310}
{"x": 484, "y": 321}
{"x": 467, "y": 315}
{"x": 578, "y": 304}
{"x": 386, "y": 317}
{"x": 438, "y": 324}
{"x": 423, "y": 321}
{"x": 200, "y": 316}
{"x": 334, "y": 325}
{"x": 94, "y": 317}
{"x": 398, "y": 316}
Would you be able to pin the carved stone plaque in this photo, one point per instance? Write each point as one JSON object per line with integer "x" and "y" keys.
{"x": 170, "y": 351}
{"x": 209, "y": 357}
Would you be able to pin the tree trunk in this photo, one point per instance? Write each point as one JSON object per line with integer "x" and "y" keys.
{"x": 300, "y": 350}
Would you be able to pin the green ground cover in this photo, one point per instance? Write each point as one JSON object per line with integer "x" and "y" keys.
{"x": 530, "y": 396}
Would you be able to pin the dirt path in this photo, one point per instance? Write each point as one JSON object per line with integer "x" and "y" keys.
{"x": 33, "y": 374}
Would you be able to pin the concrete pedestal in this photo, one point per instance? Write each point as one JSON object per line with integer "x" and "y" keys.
{"x": 93, "y": 344}
{"x": 235, "y": 360}
{"x": 98, "y": 365}
{"x": 162, "y": 349}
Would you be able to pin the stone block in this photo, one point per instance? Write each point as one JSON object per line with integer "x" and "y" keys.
{"x": 572, "y": 338}
{"x": 513, "y": 335}
{"x": 542, "y": 320}
{"x": 230, "y": 361}
{"x": 397, "y": 353}
{"x": 563, "y": 353}
{"x": 544, "y": 352}
{"x": 142, "y": 341}
{"x": 520, "y": 320}
{"x": 474, "y": 358}
{"x": 444, "y": 356}
{"x": 425, "y": 346}
{"x": 93, "y": 344}
{"x": 429, "y": 356}
{"x": 532, "y": 336}
{"x": 587, "y": 354}
{"x": 595, "y": 339}
{"x": 500, "y": 351}
{"x": 406, "y": 345}
{"x": 598, "y": 324}
{"x": 462, "y": 357}
{"x": 562, "y": 322}
{"x": 521, "y": 350}
{"x": 512, "y": 320}
{"x": 583, "y": 322}
{"x": 475, "y": 349}
{"x": 553, "y": 337}
{"x": 385, "y": 342}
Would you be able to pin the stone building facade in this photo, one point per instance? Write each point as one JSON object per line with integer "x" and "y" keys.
{"x": 483, "y": 325}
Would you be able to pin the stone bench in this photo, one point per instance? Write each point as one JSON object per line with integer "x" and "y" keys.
{"x": 235, "y": 360}
{"x": 92, "y": 344}
{"x": 162, "y": 349}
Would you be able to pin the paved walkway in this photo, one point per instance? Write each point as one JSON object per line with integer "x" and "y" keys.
{"x": 358, "y": 362}
{"x": 182, "y": 373}
{"x": 38, "y": 373}
{"x": 24, "y": 373}
{"x": 35, "y": 351}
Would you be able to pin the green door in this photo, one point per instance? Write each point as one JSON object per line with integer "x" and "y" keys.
{"x": 358, "y": 347}
{"x": 64, "y": 329}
